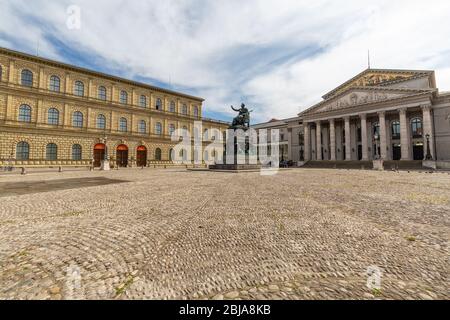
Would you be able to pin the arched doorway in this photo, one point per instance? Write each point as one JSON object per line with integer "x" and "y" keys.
{"x": 99, "y": 154}
{"x": 141, "y": 156}
{"x": 122, "y": 156}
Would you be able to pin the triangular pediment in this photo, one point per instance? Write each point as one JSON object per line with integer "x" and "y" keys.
{"x": 358, "y": 96}
{"x": 377, "y": 78}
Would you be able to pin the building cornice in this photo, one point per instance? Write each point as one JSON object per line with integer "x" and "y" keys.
{"x": 68, "y": 67}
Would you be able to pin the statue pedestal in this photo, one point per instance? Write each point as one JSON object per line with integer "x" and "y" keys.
{"x": 105, "y": 166}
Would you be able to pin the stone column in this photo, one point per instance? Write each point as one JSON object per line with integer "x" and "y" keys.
{"x": 319, "y": 141}
{"x": 428, "y": 130}
{"x": 383, "y": 135}
{"x": 348, "y": 143}
{"x": 332, "y": 140}
{"x": 405, "y": 137}
{"x": 364, "y": 139}
{"x": 289, "y": 146}
{"x": 307, "y": 148}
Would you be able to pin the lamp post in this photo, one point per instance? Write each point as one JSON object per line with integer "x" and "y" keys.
{"x": 376, "y": 137}
{"x": 105, "y": 163}
{"x": 428, "y": 156}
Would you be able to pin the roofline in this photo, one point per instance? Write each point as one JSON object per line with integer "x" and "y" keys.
{"x": 330, "y": 93}
{"x": 54, "y": 63}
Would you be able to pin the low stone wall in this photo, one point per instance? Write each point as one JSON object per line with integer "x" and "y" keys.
{"x": 443, "y": 165}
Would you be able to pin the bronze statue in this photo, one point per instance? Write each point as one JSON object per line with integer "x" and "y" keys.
{"x": 242, "y": 121}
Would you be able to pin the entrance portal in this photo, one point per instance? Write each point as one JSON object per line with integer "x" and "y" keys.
{"x": 99, "y": 154}
{"x": 418, "y": 151}
{"x": 122, "y": 156}
{"x": 141, "y": 156}
{"x": 396, "y": 152}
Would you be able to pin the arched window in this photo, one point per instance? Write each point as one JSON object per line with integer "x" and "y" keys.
{"x": 102, "y": 93}
{"x": 143, "y": 101}
{"x": 196, "y": 111}
{"x": 27, "y": 78}
{"x": 51, "y": 152}
{"x": 172, "y": 107}
{"x": 53, "y": 116}
{"x": 76, "y": 152}
{"x": 158, "y": 104}
{"x": 55, "y": 84}
{"x": 123, "y": 125}
{"x": 123, "y": 97}
{"x": 171, "y": 129}
{"x": 158, "y": 154}
{"x": 158, "y": 128}
{"x": 171, "y": 154}
{"x": 416, "y": 127}
{"x": 77, "y": 119}
{"x": 142, "y": 126}
{"x": 25, "y": 113}
{"x": 101, "y": 122}
{"x": 184, "y": 109}
{"x": 23, "y": 151}
{"x": 396, "y": 130}
{"x": 78, "y": 89}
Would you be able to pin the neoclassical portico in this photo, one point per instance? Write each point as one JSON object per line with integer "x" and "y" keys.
{"x": 401, "y": 134}
{"x": 380, "y": 114}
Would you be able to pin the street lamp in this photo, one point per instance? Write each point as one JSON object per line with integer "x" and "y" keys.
{"x": 429, "y": 156}
{"x": 376, "y": 138}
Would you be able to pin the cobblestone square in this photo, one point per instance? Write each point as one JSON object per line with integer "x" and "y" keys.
{"x": 177, "y": 234}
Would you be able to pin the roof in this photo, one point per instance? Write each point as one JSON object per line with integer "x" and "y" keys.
{"x": 57, "y": 64}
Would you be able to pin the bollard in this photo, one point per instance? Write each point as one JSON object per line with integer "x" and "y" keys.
{"x": 60, "y": 169}
{"x": 23, "y": 171}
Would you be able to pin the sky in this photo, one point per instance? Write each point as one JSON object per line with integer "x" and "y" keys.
{"x": 279, "y": 57}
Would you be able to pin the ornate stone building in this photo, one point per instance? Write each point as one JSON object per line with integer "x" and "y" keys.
{"x": 54, "y": 114}
{"x": 393, "y": 115}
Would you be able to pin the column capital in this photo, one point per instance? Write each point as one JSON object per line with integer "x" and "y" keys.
{"x": 363, "y": 116}
{"x": 332, "y": 121}
{"x": 346, "y": 118}
{"x": 381, "y": 113}
{"x": 403, "y": 110}
{"x": 426, "y": 107}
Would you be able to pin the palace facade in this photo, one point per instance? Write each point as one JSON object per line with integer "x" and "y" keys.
{"x": 54, "y": 114}
{"x": 392, "y": 115}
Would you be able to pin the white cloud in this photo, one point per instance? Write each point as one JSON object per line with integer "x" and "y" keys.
{"x": 251, "y": 49}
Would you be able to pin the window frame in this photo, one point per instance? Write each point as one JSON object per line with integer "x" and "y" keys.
{"x": 102, "y": 118}
{"x": 20, "y": 151}
{"x": 143, "y": 101}
{"x": 25, "y": 117}
{"x": 158, "y": 128}
{"x": 27, "y": 78}
{"x": 123, "y": 99}
{"x": 77, "y": 152}
{"x": 142, "y": 127}
{"x": 102, "y": 93}
{"x": 54, "y": 84}
{"x": 51, "y": 152}
{"x": 418, "y": 133}
{"x": 123, "y": 124}
{"x": 53, "y": 117}
{"x": 78, "y": 88}
{"x": 76, "y": 122}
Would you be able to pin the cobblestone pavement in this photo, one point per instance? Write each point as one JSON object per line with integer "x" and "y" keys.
{"x": 174, "y": 234}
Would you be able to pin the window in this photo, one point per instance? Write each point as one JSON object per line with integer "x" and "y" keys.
{"x": 102, "y": 93}
{"x": 143, "y": 101}
{"x": 183, "y": 154}
{"x": 158, "y": 154}
{"x": 206, "y": 134}
{"x": 55, "y": 84}
{"x": 158, "y": 104}
{"x": 76, "y": 152}
{"x": 27, "y": 78}
{"x": 158, "y": 128}
{"x": 416, "y": 128}
{"x": 101, "y": 122}
{"x": 25, "y": 113}
{"x": 77, "y": 119}
{"x": 23, "y": 151}
{"x": 395, "y": 130}
{"x": 53, "y": 116}
{"x": 184, "y": 109}
{"x": 196, "y": 111}
{"x": 123, "y": 125}
{"x": 142, "y": 126}
{"x": 123, "y": 97}
{"x": 172, "y": 107}
{"x": 301, "y": 139}
{"x": 51, "y": 152}
{"x": 171, "y": 129}
{"x": 78, "y": 89}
